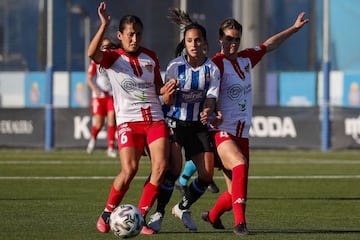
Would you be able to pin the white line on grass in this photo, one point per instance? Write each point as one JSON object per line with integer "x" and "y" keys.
{"x": 145, "y": 177}
{"x": 304, "y": 161}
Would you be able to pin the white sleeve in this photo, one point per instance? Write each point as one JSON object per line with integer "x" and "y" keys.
{"x": 213, "y": 91}
{"x": 170, "y": 71}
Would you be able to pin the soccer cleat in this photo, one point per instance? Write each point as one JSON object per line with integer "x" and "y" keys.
{"x": 213, "y": 187}
{"x": 217, "y": 224}
{"x": 182, "y": 189}
{"x": 111, "y": 153}
{"x": 102, "y": 224}
{"x": 241, "y": 229}
{"x": 155, "y": 221}
{"x": 146, "y": 230}
{"x": 90, "y": 146}
{"x": 185, "y": 216}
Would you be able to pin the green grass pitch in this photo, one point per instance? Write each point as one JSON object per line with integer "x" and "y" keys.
{"x": 291, "y": 195}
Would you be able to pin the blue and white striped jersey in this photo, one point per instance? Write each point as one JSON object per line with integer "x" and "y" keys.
{"x": 196, "y": 84}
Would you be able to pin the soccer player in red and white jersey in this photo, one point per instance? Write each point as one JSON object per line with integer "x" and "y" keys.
{"x": 102, "y": 103}
{"x": 232, "y": 135}
{"x": 135, "y": 78}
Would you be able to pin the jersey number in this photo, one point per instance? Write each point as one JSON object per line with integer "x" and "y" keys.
{"x": 224, "y": 134}
{"x": 123, "y": 138}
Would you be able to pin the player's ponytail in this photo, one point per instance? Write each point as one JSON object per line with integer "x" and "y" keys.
{"x": 183, "y": 19}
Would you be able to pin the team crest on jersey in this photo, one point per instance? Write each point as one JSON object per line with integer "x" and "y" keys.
{"x": 182, "y": 76}
{"x": 149, "y": 67}
{"x": 247, "y": 68}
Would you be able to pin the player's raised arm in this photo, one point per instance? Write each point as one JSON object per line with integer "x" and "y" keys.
{"x": 276, "y": 40}
{"x": 94, "y": 47}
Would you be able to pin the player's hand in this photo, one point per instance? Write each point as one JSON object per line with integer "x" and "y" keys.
{"x": 204, "y": 118}
{"x": 300, "y": 21}
{"x": 104, "y": 16}
{"x": 168, "y": 91}
{"x": 216, "y": 121}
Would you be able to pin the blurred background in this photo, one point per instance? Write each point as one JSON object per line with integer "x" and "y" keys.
{"x": 287, "y": 82}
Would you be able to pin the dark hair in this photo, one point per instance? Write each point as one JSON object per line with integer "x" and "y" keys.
{"x": 229, "y": 23}
{"x": 183, "y": 19}
{"x": 112, "y": 44}
{"x": 129, "y": 19}
{"x": 106, "y": 38}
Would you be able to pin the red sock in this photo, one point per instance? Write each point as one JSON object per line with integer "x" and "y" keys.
{"x": 94, "y": 132}
{"x": 147, "y": 198}
{"x": 115, "y": 197}
{"x": 222, "y": 204}
{"x": 239, "y": 193}
{"x": 246, "y": 184}
{"x": 111, "y": 136}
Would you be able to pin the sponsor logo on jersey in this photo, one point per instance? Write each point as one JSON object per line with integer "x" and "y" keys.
{"x": 192, "y": 96}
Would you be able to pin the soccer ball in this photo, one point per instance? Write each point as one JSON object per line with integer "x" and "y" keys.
{"x": 126, "y": 221}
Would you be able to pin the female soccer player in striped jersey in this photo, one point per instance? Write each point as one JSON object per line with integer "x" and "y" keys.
{"x": 232, "y": 137}
{"x": 134, "y": 74}
{"x": 196, "y": 81}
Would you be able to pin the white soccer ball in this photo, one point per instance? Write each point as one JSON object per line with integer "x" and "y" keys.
{"x": 126, "y": 221}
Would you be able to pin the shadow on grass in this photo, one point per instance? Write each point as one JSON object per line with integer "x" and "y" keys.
{"x": 305, "y": 231}
{"x": 308, "y": 198}
{"x": 272, "y": 231}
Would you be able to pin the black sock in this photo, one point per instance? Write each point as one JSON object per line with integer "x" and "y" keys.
{"x": 195, "y": 191}
{"x": 165, "y": 192}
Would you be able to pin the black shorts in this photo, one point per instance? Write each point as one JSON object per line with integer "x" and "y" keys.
{"x": 192, "y": 136}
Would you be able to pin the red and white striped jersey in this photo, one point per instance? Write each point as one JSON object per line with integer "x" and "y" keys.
{"x": 236, "y": 90}
{"x": 133, "y": 79}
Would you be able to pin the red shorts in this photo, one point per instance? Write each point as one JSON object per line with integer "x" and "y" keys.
{"x": 101, "y": 106}
{"x": 220, "y": 136}
{"x": 134, "y": 134}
